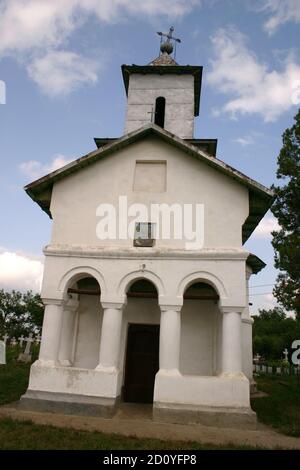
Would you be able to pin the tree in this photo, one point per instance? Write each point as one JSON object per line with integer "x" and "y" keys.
{"x": 20, "y": 313}
{"x": 273, "y": 332}
{"x": 286, "y": 209}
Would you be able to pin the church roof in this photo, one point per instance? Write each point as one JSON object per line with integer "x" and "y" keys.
{"x": 168, "y": 69}
{"x": 260, "y": 197}
{"x": 163, "y": 59}
{"x": 208, "y": 145}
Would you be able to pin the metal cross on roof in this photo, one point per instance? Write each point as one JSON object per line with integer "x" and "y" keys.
{"x": 167, "y": 45}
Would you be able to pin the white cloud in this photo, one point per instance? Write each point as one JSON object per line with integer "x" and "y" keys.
{"x": 281, "y": 12}
{"x": 267, "y": 302}
{"x": 20, "y": 271}
{"x": 35, "y": 32}
{"x": 28, "y": 24}
{"x": 61, "y": 72}
{"x": 244, "y": 141}
{"x": 265, "y": 227}
{"x": 34, "y": 169}
{"x": 251, "y": 86}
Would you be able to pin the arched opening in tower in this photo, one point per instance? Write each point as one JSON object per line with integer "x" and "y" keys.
{"x": 160, "y": 106}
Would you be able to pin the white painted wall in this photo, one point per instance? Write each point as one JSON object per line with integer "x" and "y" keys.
{"x": 89, "y": 330}
{"x": 76, "y": 198}
{"x": 178, "y": 90}
{"x": 197, "y": 337}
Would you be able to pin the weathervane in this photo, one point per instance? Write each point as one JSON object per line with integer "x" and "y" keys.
{"x": 167, "y": 45}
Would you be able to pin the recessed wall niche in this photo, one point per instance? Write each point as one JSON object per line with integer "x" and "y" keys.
{"x": 150, "y": 176}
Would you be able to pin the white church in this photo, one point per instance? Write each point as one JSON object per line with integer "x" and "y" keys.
{"x": 141, "y": 305}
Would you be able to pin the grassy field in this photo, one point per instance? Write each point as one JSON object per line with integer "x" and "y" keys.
{"x": 281, "y": 409}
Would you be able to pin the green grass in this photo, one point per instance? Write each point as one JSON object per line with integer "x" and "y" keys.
{"x": 16, "y": 435}
{"x": 13, "y": 377}
{"x": 281, "y": 408}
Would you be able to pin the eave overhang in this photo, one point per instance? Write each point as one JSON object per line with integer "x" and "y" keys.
{"x": 255, "y": 263}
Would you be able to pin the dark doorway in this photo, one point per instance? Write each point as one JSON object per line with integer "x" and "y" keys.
{"x": 160, "y": 106}
{"x": 142, "y": 363}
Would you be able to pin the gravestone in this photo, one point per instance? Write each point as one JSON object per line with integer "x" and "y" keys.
{"x": 38, "y": 339}
{"x": 21, "y": 341}
{"x": 278, "y": 370}
{"x": 256, "y": 358}
{"x": 26, "y": 355}
{"x": 2, "y": 352}
{"x": 13, "y": 342}
{"x": 270, "y": 370}
{"x": 286, "y": 354}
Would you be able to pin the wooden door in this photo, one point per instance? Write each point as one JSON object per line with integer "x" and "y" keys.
{"x": 142, "y": 362}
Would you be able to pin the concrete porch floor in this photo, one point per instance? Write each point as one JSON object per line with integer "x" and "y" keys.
{"x": 136, "y": 420}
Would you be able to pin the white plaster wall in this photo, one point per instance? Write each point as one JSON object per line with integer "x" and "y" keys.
{"x": 76, "y": 197}
{"x": 219, "y": 343}
{"x": 178, "y": 90}
{"x": 170, "y": 274}
{"x": 202, "y": 391}
{"x": 197, "y": 337}
{"x": 89, "y": 330}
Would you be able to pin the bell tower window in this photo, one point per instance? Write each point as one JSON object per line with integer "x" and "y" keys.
{"x": 160, "y": 106}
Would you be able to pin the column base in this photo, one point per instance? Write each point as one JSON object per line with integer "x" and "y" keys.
{"x": 69, "y": 404}
{"x": 226, "y": 417}
{"x": 106, "y": 370}
{"x": 65, "y": 363}
{"x": 169, "y": 373}
{"x": 45, "y": 363}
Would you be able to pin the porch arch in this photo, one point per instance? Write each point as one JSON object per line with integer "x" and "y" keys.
{"x": 206, "y": 278}
{"x": 130, "y": 278}
{"x": 75, "y": 274}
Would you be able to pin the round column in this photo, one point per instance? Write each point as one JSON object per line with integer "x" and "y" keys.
{"x": 110, "y": 337}
{"x": 231, "y": 342}
{"x": 51, "y": 332}
{"x": 68, "y": 330}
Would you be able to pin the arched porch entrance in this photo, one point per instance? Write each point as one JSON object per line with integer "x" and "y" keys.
{"x": 201, "y": 331}
{"x": 141, "y": 350}
{"x": 82, "y": 322}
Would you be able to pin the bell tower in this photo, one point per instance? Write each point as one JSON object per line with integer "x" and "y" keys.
{"x": 163, "y": 92}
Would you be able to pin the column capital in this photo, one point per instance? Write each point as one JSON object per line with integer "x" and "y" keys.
{"x": 113, "y": 301}
{"x": 238, "y": 309}
{"x": 174, "y": 308}
{"x": 59, "y": 302}
{"x": 170, "y": 303}
{"x": 114, "y": 305}
{"x": 248, "y": 320}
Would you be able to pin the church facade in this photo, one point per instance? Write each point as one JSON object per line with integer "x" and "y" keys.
{"x": 138, "y": 309}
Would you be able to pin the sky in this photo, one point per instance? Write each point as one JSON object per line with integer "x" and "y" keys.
{"x": 61, "y": 86}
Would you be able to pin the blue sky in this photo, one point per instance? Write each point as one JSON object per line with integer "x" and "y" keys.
{"x": 60, "y": 61}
